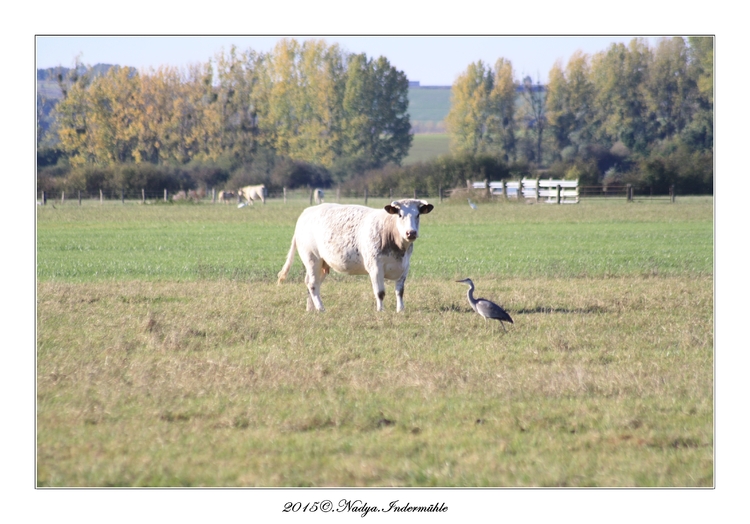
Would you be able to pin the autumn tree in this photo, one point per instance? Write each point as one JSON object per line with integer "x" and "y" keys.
{"x": 300, "y": 100}
{"x": 469, "y": 120}
{"x": 114, "y": 120}
{"x": 72, "y": 115}
{"x": 159, "y": 133}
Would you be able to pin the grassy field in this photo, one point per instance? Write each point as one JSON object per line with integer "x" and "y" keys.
{"x": 427, "y": 147}
{"x": 168, "y": 356}
{"x": 431, "y": 104}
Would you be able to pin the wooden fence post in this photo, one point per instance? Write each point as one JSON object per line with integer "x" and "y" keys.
{"x": 504, "y": 189}
{"x": 487, "y": 190}
{"x": 101, "y": 197}
{"x": 311, "y": 195}
{"x": 122, "y": 196}
{"x": 415, "y": 193}
{"x": 44, "y": 198}
{"x": 629, "y": 193}
{"x": 62, "y": 198}
{"x": 365, "y": 195}
{"x": 165, "y": 195}
{"x": 143, "y": 196}
{"x": 338, "y": 193}
{"x": 79, "y": 197}
{"x": 671, "y": 193}
{"x": 213, "y": 195}
{"x": 440, "y": 194}
{"x": 285, "y": 195}
{"x": 557, "y": 193}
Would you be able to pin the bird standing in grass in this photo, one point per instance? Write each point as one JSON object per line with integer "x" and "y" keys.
{"x": 486, "y": 308}
{"x": 472, "y": 205}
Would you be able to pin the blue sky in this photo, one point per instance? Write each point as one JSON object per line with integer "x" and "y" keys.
{"x": 430, "y": 60}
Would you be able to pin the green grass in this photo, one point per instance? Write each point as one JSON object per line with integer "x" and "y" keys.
{"x": 190, "y": 242}
{"x": 168, "y": 356}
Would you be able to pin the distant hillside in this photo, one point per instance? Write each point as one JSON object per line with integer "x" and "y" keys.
{"x": 48, "y": 80}
{"x": 428, "y": 107}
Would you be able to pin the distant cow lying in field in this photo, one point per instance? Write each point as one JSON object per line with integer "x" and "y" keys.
{"x": 196, "y": 194}
{"x": 252, "y": 193}
{"x": 226, "y": 196}
{"x": 357, "y": 240}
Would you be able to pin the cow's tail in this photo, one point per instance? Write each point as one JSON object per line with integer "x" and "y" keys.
{"x": 289, "y": 259}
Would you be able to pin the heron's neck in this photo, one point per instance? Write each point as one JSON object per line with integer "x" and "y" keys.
{"x": 470, "y": 294}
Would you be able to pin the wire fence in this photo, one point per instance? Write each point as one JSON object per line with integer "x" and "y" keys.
{"x": 316, "y": 195}
{"x": 213, "y": 196}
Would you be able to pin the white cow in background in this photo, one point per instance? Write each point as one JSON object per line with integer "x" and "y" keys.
{"x": 357, "y": 240}
{"x": 252, "y": 193}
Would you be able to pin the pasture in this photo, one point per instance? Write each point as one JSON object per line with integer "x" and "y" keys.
{"x": 167, "y": 355}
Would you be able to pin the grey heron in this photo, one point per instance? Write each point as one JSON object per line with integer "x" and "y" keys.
{"x": 486, "y": 308}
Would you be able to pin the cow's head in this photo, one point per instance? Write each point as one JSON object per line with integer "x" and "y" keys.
{"x": 407, "y": 212}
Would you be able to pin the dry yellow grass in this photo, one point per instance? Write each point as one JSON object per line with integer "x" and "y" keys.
{"x": 600, "y": 382}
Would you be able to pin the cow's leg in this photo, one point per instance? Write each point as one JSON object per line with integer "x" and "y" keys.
{"x": 400, "y": 283}
{"x": 378, "y": 284}
{"x": 314, "y": 279}
{"x": 400, "y": 293}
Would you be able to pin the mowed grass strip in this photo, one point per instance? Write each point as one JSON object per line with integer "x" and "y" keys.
{"x": 197, "y": 242}
{"x": 189, "y": 366}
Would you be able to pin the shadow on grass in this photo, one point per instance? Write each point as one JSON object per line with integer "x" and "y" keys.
{"x": 552, "y": 309}
{"x": 455, "y": 308}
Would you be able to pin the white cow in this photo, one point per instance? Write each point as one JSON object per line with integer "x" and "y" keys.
{"x": 356, "y": 240}
{"x": 318, "y": 194}
{"x": 252, "y": 193}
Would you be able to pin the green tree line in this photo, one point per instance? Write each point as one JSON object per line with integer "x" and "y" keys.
{"x": 630, "y": 113}
{"x": 302, "y": 113}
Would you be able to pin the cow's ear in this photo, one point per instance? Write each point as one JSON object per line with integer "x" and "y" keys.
{"x": 391, "y": 209}
{"x": 425, "y": 208}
